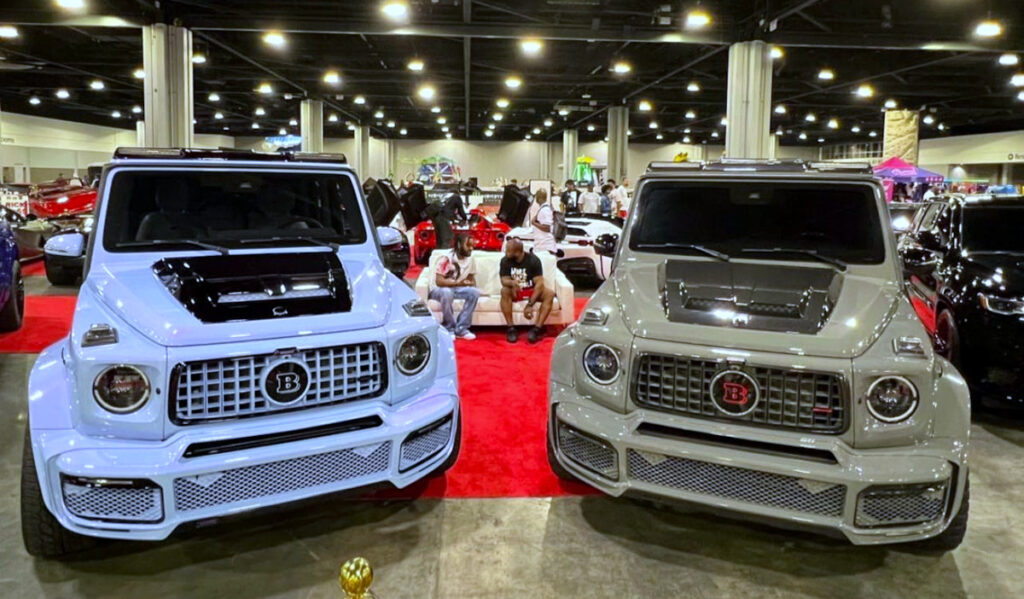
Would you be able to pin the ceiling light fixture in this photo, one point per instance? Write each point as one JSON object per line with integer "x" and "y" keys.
{"x": 890, "y": 104}
{"x": 644, "y": 106}
{"x": 97, "y": 84}
{"x": 391, "y": 124}
{"x": 1017, "y": 80}
{"x": 821, "y": 140}
{"x": 497, "y": 116}
{"x": 563, "y": 112}
{"x": 282, "y": 131}
{"x": 536, "y": 130}
{"x": 34, "y": 100}
{"x": 855, "y": 129}
{"x": 780, "y": 109}
{"x": 139, "y": 74}
{"x": 802, "y": 136}
{"x": 255, "y": 125}
{"x": 259, "y": 111}
{"x": 403, "y": 131}
{"x": 379, "y": 114}
{"x": 426, "y": 92}
{"x": 218, "y": 115}
{"x": 501, "y": 102}
{"x": 697, "y": 19}
{"x": 396, "y": 10}
{"x": 359, "y": 100}
{"x": 531, "y": 46}
{"x": 714, "y": 134}
{"x": 63, "y": 94}
{"x": 435, "y": 109}
{"x": 988, "y": 28}
{"x": 621, "y": 67}
{"x": 864, "y": 91}
{"x": 8, "y": 31}
{"x": 928, "y": 119}
{"x": 332, "y": 118}
{"x": 488, "y": 133}
{"x": 198, "y": 58}
{"x": 265, "y": 88}
{"x": 116, "y": 114}
{"x": 513, "y": 82}
{"x": 590, "y": 127}
{"x": 691, "y": 114}
{"x": 686, "y": 139}
{"x": 833, "y": 124}
{"x": 659, "y": 136}
{"x": 213, "y": 97}
{"x": 826, "y": 74}
{"x": 448, "y": 135}
{"x": 441, "y": 120}
{"x": 415, "y": 65}
{"x": 491, "y": 126}
{"x": 873, "y": 134}
{"x": 548, "y": 122}
{"x": 776, "y": 53}
{"x": 693, "y": 87}
{"x": 136, "y": 109}
{"x": 71, "y": 4}
{"x": 941, "y": 127}
{"x": 810, "y": 118}
{"x": 724, "y": 122}
{"x": 528, "y": 137}
{"x": 332, "y": 77}
{"x": 274, "y": 39}
{"x": 653, "y": 125}
{"x": 1009, "y": 59}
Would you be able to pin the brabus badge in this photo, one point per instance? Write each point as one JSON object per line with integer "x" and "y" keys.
{"x": 734, "y": 392}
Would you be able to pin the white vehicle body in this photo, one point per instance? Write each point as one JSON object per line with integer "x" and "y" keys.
{"x": 579, "y": 256}
{"x": 226, "y": 425}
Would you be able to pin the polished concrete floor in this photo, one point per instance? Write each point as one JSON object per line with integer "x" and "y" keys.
{"x": 539, "y": 547}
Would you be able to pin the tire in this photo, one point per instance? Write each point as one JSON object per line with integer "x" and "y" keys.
{"x": 42, "y": 533}
{"x": 13, "y": 312}
{"x": 951, "y": 538}
{"x": 560, "y": 471}
{"x": 60, "y": 275}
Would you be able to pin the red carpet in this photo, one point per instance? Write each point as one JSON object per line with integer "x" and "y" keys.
{"x": 47, "y": 319}
{"x": 36, "y": 268}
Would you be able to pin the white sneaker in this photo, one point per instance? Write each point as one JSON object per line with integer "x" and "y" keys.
{"x": 468, "y": 336}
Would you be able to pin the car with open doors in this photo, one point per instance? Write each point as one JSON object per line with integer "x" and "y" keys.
{"x": 753, "y": 352}
{"x": 237, "y": 343}
{"x": 964, "y": 267}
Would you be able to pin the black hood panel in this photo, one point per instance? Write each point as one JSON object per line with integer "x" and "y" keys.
{"x": 751, "y": 296}
{"x": 256, "y": 286}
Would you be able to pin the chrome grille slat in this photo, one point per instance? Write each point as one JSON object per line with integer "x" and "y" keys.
{"x": 793, "y": 399}
{"x": 230, "y": 387}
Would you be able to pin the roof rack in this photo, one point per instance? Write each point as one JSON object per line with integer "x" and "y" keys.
{"x": 227, "y": 154}
{"x": 766, "y": 166}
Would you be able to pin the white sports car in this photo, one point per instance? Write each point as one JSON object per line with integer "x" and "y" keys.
{"x": 588, "y": 247}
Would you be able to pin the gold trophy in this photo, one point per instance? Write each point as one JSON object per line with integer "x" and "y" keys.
{"x": 355, "y": 579}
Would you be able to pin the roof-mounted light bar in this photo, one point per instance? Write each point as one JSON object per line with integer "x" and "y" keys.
{"x": 753, "y": 165}
{"x": 226, "y": 154}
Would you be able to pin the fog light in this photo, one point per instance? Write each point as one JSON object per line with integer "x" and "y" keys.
{"x": 413, "y": 354}
{"x": 121, "y": 389}
{"x": 892, "y": 399}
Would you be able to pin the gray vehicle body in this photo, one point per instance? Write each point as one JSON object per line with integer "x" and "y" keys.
{"x": 652, "y": 431}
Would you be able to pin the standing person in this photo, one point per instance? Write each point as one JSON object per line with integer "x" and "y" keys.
{"x": 455, "y": 278}
{"x": 606, "y": 200}
{"x": 522, "y": 277}
{"x": 590, "y": 202}
{"x": 929, "y": 193}
{"x": 450, "y": 211}
{"x": 570, "y": 197}
{"x": 543, "y": 222}
{"x": 622, "y": 197}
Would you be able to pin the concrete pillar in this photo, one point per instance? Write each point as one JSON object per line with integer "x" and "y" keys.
{"x": 311, "y": 125}
{"x": 748, "y": 102}
{"x": 901, "y": 135}
{"x": 570, "y": 152}
{"x": 167, "y": 60}
{"x": 390, "y": 159}
{"x": 361, "y": 161}
{"x": 618, "y": 142}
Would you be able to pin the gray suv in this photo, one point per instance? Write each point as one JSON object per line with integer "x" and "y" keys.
{"x": 754, "y": 351}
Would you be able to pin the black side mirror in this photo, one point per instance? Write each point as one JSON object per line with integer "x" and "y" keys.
{"x": 920, "y": 261}
{"x": 606, "y": 243}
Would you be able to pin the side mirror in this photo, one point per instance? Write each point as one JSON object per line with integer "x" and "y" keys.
{"x": 606, "y": 244}
{"x": 70, "y": 245}
{"x": 389, "y": 236}
{"x": 396, "y": 250}
{"x": 920, "y": 261}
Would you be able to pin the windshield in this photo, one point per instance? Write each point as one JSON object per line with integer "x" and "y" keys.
{"x": 994, "y": 228}
{"x": 839, "y": 222}
{"x": 229, "y": 209}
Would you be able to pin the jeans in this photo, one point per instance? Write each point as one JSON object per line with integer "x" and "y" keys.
{"x": 447, "y": 296}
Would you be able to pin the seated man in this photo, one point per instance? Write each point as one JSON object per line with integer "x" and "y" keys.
{"x": 455, "y": 278}
{"x": 522, "y": 277}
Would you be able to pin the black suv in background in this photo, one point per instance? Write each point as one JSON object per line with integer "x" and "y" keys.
{"x": 964, "y": 261}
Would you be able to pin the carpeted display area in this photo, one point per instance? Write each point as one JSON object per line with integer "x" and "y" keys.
{"x": 47, "y": 319}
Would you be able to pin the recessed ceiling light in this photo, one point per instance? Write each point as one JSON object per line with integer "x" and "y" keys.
{"x": 855, "y": 128}
{"x": 780, "y": 109}
{"x": 379, "y": 114}
{"x": 1017, "y": 80}
{"x": 426, "y": 92}
{"x": 198, "y": 58}
{"x": 491, "y": 126}
{"x": 139, "y": 74}
{"x": 435, "y": 109}
{"x": 826, "y": 74}
{"x": 821, "y": 140}
{"x": 621, "y": 67}
{"x": 332, "y": 118}
{"x": 260, "y": 111}
{"x": 63, "y": 94}
{"x": 445, "y": 129}
{"x": 501, "y": 102}
{"x": 332, "y": 77}
{"x": 497, "y": 116}
{"x": 531, "y": 47}
{"x": 864, "y": 91}
{"x": 928, "y": 119}
{"x": 833, "y": 124}
{"x": 136, "y": 109}
{"x": 890, "y": 104}
{"x": 488, "y": 133}
{"x": 988, "y": 28}
{"x": 941, "y": 127}
{"x": 659, "y": 136}
{"x": 396, "y": 10}
{"x": 802, "y": 136}
{"x": 563, "y": 112}
{"x": 265, "y": 88}
{"x": 779, "y": 132}
{"x": 97, "y": 84}
{"x": 226, "y": 128}
{"x": 590, "y": 127}
{"x": 416, "y": 65}
{"x": 873, "y": 134}
{"x": 810, "y": 118}
{"x": 697, "y": 19}
{"x": 213, "y": 97}
{"x": 359, "y": 100}
{"x": 71, "y": 4}
{"x": 1009, "y": 60}
{"x": 724, "y": 122}
{"x": 528, "y": 137}
{"x": 691, "y": 114}
{"x": 585, "y": 96}
{"x": 274, "y": 39}
{"x": 34, "y": 100}
{"x": 714, "y": 134}
{"x": 776, "y": 53}
{"x": 513, "y": 82}
{"x": 686, "y": 139}
{"x": 218, "y": 115}
{"x": 536, "y": 130}
{"x": 282, "y": 131}
{"x": 8, "y": 31}
{"x": 644, "y": 106}
{"x": 687, "y": 130}
{"x": 116, "y": 114}
{"x": 548, "y": 122}
{"x": 441, "y": 120}
{"x": 293, "y": 123}
{"x": 391, "y": 124}
{"x": 693, "y": 87}
{"x": 255, "y": 126}
{"x": 403, "y": 131}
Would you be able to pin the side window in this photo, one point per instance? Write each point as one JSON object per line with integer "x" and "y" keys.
{"x": 943, "y": 223}
{"x": 925, "y": 217}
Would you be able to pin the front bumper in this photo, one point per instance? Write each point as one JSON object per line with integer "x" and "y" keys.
{"x": 176, "y": 489}
{"x": 760, "y": 473}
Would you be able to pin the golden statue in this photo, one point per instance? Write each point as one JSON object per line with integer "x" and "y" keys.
{"x": 355, "y": 578}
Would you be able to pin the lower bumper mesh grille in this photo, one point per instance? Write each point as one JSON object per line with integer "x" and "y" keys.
{"x": 113, "y": 503}
{"x": 738, "y": 484}
{"x": 901, "y": 506}
{"x": 587, "y": 452}
{"x": 274, "y": 478}
{"x": 420, "y": 447}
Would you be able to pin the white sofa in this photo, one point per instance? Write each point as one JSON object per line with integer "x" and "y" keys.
{"x": 488, "y": 280}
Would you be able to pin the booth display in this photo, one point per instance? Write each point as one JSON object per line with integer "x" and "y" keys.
{"x": 760, "y": 368}
{"x": 488, "y": 235}
{"x": 237, "y": 343}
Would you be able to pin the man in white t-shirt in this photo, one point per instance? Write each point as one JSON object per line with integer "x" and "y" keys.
{"x": 543, "y": 222}
{"x": 929, "y": 193}
{"x": 455, "y": 278}
{"x": 590, "y": 201}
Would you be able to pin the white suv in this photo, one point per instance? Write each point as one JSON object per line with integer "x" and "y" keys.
{"x": 237, "y": 343}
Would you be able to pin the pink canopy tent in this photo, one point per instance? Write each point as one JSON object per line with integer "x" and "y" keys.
{"x": 901, "y": 171}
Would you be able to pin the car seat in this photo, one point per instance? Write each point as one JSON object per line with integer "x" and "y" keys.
{"x": 274, "y": 206}
{"x": 173, "y": 219}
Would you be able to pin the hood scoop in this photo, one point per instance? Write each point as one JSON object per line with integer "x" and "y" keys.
{"x": 256, "y": 286}
{"x": 752, "y": 296}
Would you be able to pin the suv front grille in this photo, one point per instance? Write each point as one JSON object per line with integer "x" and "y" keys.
{"x": 792, "y": 399}
{"x": 233, "y": 388}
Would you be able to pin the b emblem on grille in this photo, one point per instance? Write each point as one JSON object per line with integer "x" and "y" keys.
{"x": 734, "y": 392}
{"x": 285, "y": 381}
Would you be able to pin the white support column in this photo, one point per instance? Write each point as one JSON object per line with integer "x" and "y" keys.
{"x": 140, "y": 133}
{"x": 748, "y": 105}
{"x": 311, "y": 125}
{"x": 390, "y": 160}
{"x": 167, "y": 60}
{"x": 361, "y": 161}
{"x": 570, "y": 152}
{"x": 618, "y": 142}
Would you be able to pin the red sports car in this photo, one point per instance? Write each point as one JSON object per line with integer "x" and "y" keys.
{"x": 488, "y": 235}
{"x": 62, "y": 201}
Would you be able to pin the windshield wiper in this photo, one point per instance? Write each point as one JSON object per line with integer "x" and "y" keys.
{"x": 321, "y": 242}
{"x": 223, "y": 251}
{"x": 685, "y": 246}
{"x": 835, "y": 262}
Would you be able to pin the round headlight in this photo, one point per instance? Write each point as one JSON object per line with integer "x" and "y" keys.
{"x": 121, "y": 389}
{"x": 413, "y": 354}
{"x": 601, "y": 363}
{"x": 892, "y": 399}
